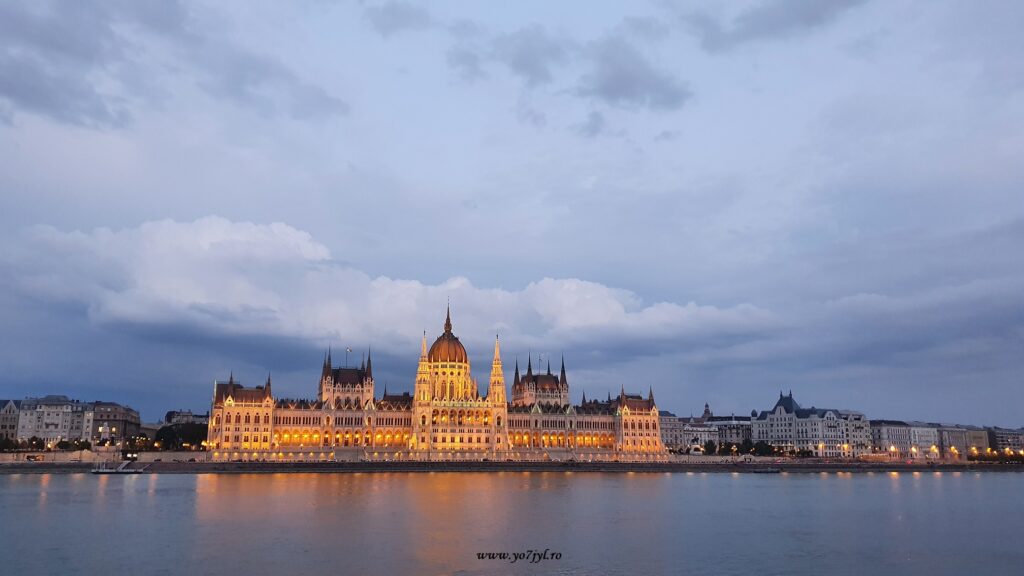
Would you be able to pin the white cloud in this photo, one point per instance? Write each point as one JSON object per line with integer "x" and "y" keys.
{"x": 274, "y": 280}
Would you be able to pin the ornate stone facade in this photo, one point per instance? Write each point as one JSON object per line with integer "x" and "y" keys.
{"x": 447, "y": 417}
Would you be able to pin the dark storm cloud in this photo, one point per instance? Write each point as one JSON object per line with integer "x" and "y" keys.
{"x": 645, "y": 28}
{"x": 666, "y": 135}
{"x": 530, "y": 53}
{"x": 50, "y": 56}
{"x": 260, "y": 82}
{"x": 79, "y": 63}
{"x": 620, "y": 75}
{"x": 466, "y": 62}
{"x": 768, "y": 20}
{"x": 391, "y": 18}
{"x": 530, "y": 115}
{"x": 593, "y": 126}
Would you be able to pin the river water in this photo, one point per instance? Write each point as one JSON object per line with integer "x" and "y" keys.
{"x": 437, "y": 523}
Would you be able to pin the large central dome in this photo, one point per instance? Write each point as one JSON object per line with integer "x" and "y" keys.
{"x": 447, "y": 347}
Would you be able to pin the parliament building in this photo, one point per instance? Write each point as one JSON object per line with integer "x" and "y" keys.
{"x": 445, "y": 418}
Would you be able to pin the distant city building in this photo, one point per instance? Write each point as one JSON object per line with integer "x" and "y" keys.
{"x": 952, "y": 442}
{"x": 977, "y": 440}
{"x": 671, "y": 430}
{"x": 700, "y": 434}
{"x": 149, "y": 429}
{"x": 185, "y": 417}
{"x": 823, "y": 432}
{"x": 732, "y": 429}
{"x": 113, "y": 422}
{"x": 1006, "y": 439}
{"x": 685, "y": 433}
{"x": 9, "y": 410}
{"x": 893, "y": 437}
{"x": 55, "y": 418}
{"x": 924, "y": 438}
{"x": 445, "y": 418}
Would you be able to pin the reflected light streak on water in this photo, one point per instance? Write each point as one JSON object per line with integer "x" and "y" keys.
{"x": 435, "y": 523}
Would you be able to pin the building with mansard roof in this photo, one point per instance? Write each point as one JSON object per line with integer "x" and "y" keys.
{"x": 446, "y": 417}
{"x": 823, "y": 432}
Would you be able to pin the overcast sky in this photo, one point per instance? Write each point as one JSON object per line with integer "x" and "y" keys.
{"x": 716, "y": 200}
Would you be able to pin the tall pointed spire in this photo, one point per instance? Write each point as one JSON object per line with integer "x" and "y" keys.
{"x": 362, "y": 363}
{"x": 515, "y": 379}
{"x": 622, "y": 391}
{"x": 650, "y": 394}
{"x": 529, "y": 365}
{"x": 549, "y": 366}
{"x": 584, "y": 401}
{"x": 266, "y": 387}
{"x": 496, "y": 388}
{"x": 369, "y": 363}
{"x": 329, "y": 362}
{"x": 448, "y": 320}
{"x": 561, "y": 377}
{"x": 423, "y": 347}
{"x": 231, "y": 378}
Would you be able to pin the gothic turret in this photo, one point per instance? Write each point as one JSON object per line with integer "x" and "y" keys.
{"x": 496, "y": 388}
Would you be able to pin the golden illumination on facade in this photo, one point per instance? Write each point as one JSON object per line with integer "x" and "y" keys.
{"x": 447, "y": 417}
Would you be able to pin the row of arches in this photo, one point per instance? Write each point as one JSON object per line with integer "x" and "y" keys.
{"x": 386, "y": 438}
{"x": 240, "y": 418}
{"x": 460, "y": 418}
{"x": 562, "y": 440}
{"x": 635, "y": 425}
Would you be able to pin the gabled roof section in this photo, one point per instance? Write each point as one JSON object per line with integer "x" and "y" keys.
{"x": 395, "y": 402}
{"x": 237, "y": 392}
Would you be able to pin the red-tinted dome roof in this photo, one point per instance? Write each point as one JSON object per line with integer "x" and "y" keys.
{"x": 447, "y": 347}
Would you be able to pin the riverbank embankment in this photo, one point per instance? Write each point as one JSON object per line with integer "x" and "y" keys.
{"x": 791, "y": 466}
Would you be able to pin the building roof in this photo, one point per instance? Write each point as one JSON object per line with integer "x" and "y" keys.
{"x": 231, "y": 389}
{"x": 790, "y": 406}
{"x": 634, "y": 402}
{"x": 727, "y": 420}
{"x": 447, "y": 347}
{"x": 888, "y": 423}
{"x": 401, "y": 401}
{"x": 348, "y": 376}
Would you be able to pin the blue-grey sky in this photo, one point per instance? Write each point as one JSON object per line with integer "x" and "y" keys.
{"x": 716, "y": 200}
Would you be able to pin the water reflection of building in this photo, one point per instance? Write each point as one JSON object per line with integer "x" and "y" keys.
{"x": 447, "y": 417}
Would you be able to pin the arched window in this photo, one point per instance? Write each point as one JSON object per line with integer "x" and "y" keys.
{"x": 498, "y": 421}
{"x": 423, "y": 420}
